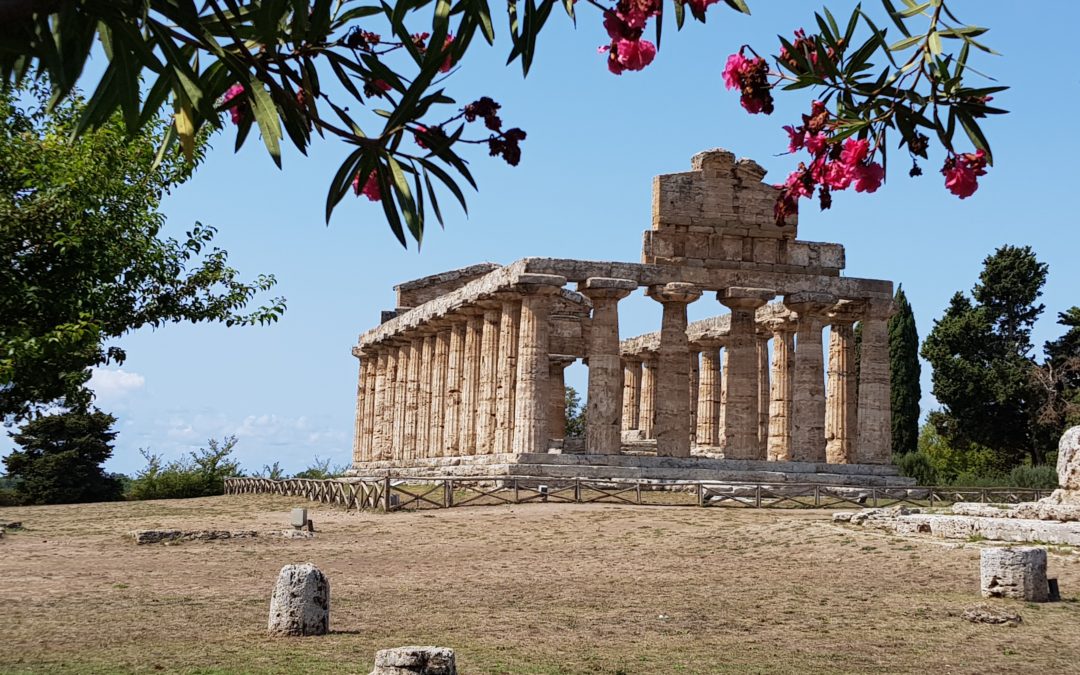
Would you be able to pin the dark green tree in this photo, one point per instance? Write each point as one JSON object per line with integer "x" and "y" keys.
{"x": 575, "y": 414}
{"x": 983, "y": 367}
{"x": 1060, "y": 375}
{"x": 905, "y": 372}
{"x": 61, "y": 457}
{"x": 79, "y": 229}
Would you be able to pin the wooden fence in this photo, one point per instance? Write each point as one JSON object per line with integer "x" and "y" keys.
{"x": 394, "y": 494}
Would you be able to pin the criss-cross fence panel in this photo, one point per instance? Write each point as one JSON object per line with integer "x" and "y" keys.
{"x": 387, "y": 494}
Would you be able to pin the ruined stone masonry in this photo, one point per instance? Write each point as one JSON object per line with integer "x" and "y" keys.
{"x": 465, "y": 375}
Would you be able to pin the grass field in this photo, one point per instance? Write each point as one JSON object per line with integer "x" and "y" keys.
{"x": 540, "y": 588}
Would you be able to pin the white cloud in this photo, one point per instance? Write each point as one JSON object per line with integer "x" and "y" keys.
{"x": 111, "y": 385}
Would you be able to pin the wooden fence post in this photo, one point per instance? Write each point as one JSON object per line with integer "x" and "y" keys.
{"x": 386, "y": 494}
{"x": 700, "y": 495}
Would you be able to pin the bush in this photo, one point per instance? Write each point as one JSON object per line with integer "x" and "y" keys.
{"x": 918, "y": 466}
{"x": 202, "y": 474}
{"x": 1041, "y": 477}
{"x": 320, "y": 469}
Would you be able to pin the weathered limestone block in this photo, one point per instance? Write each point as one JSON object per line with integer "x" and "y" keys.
{"x": 1068, "y": 462}
{"x": 1018, "y": 572}
{"x": 300, "y": 604}
{"x": 415, "y": 661}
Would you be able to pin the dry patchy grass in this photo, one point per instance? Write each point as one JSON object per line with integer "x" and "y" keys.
{"x": 534, "y": 589}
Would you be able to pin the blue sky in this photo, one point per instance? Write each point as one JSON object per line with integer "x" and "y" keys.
{"x": 582, "y": 191}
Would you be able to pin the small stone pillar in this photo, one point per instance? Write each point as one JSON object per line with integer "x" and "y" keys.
{"x": 780, "y": 395}
{"x": 875, "y": 405}
{"x": 808, "y": 420}
{"x": 489, "y": 355}
{"x": 531, "y": 398}
{"x": 631, "y": 392}
{"x": 841, "y": 405}
{"x": 557, "y": 394}
{"x": 300, "y": 604}
{"x": 412, "y": 397}
{"x": 509, "y": 320}
{"x": 360, "y": 449}
{"x": 378, "y": 444}
{"x": 740, "y": 434}
{"x": 400, "y": 397}
{"x": 1017, "y": 572}
{"x": 423, "y": 410}
{"x": 604, "y": 403}
{"x": 708, "y": 417}
{"x": 672, "y": 393}
{"x": 415, "y": 661}
{"x": 648, "y": 395}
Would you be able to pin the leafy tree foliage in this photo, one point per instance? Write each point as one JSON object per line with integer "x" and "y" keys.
{"x": 321, "y": 469}
{"x": 301, "y": 68}
{"x": 201, "y": 474}
{"x": 60, "y": 459}
{"x": 575, "y": 414}
{"x": 984, "y": 370}
{"x": 1059, "y": 378}
{"x": 905, "y": 372}
{"x": 79, "y": 229}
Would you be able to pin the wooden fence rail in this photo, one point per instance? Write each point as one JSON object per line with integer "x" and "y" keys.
{"x": 394, "y": 494}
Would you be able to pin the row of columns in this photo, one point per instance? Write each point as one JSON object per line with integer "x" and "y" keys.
{"x": 472, "y": 382}
{"x": 786, "y": 410}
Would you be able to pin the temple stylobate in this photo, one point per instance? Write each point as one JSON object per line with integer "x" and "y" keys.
{"x": 465, "y": 376}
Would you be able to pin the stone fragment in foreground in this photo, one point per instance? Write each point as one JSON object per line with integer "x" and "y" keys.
{"x": 1018, "y": 572}
{"x": 992, "y": 615}
{"x": 415, "y": 661}
{"x": 300, "y": 604}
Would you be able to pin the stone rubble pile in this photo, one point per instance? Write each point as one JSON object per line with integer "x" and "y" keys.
{"x": 415, "y": 661}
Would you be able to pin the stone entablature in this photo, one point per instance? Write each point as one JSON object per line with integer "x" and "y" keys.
{"x": 472, "y": 361}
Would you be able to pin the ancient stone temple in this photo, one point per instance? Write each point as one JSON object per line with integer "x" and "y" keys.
{"x": 465, "y": 376}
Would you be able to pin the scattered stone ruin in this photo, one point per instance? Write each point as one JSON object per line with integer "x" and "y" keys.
{"x": 465, "y": 376}
{"x": 300, "y": 603}
{"x": 415, "y": 661}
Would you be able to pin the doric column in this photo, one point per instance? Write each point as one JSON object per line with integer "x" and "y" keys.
{"x": 875, "y": 414}
{"x": 708, "y": 416}
{"x": 631, "y": 392}
{"x": 359, "y": 449}
{"x": 489, "y": 356}
{"x": 763, "y": 394}
{"x": 721, "y": 418}
{"x": 695, "y": 378}
{"x": 808, "y": 415}
{"x": 841, "y": 402}
{"x": 780, "y": 391}
{"x": 557, "y": 394}
{"x": 672, "y": 393}
{"x": 400, "y": 395}
{"x": 454, "y": 372}
{"x": 531, "y": 400}
{"x": 412, "y": 400}
{"x": 604, "y": 404}
{"x": 740, "y": 433}
{"x": 439, "y": 396}
{"x": 470, "y": 381}
{"x": 648, "y": 395}
{"x": 509, "y": 319}
{"x": 423, "y": 410}
{"x": 388, "y": 355}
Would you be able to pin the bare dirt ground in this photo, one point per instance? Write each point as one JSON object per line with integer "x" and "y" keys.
{"x": 531, "y": 589}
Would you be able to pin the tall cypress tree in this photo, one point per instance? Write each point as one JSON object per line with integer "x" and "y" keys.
{"x": 905, "y": 371}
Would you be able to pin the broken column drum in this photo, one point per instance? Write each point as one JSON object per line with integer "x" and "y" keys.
{"x": 470, "y": 363}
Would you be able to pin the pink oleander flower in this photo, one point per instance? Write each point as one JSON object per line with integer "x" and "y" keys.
{"x": 635, "y": 54}
{"x": 816, "y": 143}
{"x": 868, "y": 177}
{"x": 370, "y": 188}
{"x": 699, "y": 6}
{"x": 962, "y": 172}
{"x": 837, "y": 176}
{"x": 855, "y": 151}
{"x": 736, "y": 63}
{"x": 796, "y": 138}
{"x": 238, "y": 110}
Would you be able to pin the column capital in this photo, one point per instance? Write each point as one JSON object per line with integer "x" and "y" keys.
{"x": 878, "y": 308}
{"x": 846, "y": 311}
{"x": 561, "y": 360}
{"x": 674, "y": 292}
{"x": 738, "y": 297}
{"x": 539, "y": 284}
{"x": 809, "y": 303}
{"x": 606, "y": 287}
